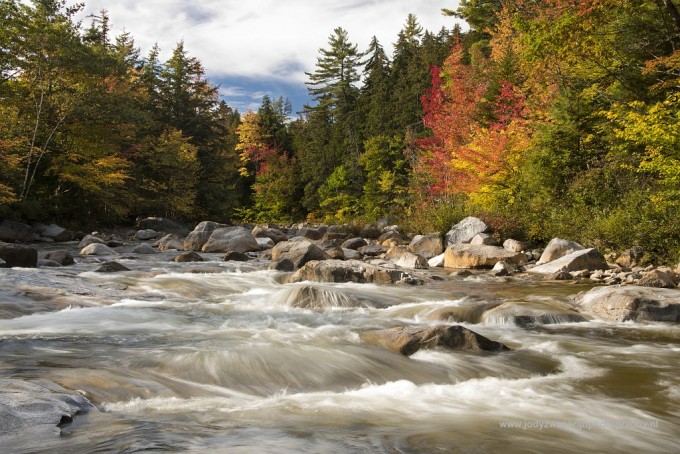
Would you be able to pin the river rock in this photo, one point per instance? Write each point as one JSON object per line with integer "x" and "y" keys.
{"x": 391, "y": 235}
{"x": 163, "y": 225}
{"x": 234, "y": 256}
{"x": 227, "y": 239}
{"x": 97, "y": 249}
{"x": 412, "y": 261}
{"x": 407, "y": 340}
{"x": 634, "y": 303}
{"x": 275, "y": 235}
{"x": 11, "y": 232}
{"x": 354, "y": 271}
{"x": 309, "y": 297}
{"x": 472, "y": 256}
{"x": 372, "y": 250}
{"x": 286, "y": 265}
{"x": 188, "y": 257}
{"x": 196, "y": 240}
{"x": 144, "y": 248}
{"x": 484, "y": 239}
{"x": 502, "y": 268}
{"x": 335, "y": 252}
{"x": 536, "y": 314}
{"x": 38, "y": 408}
{"x": 208, "y": 226}
{"x": 44, "y": 263}
{"x": 630, "y": 257}
{"x": 57, "y": 233}
{"x": 556, "y": 248}
{"x": 562, "y": 275}
{"x": 299, "y": 252}
{"x": 427, "y": 246}
{"x": 111, "y": 267}
{"x": 17, "y": 255}
{"x": 354, "y": 243}
{"x": 514, "y": 245}
{"x": 265, "y": 243}
{"x": 370, "y": 231}
{"x": 436, "y": 262}
{"x": 584, "y": 259}
{"x": 62, "y": 257}
{"x": 465, "y": 231}
{"x": 658, "y": 278}
{"x": 88, "y": 240}
{"x": 170, "y": 242}
{"x": 146, "y": 234}
{"x": 351, "y": 254}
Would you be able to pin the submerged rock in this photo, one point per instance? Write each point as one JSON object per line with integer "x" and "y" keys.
{"x": 187, "y": 257}
{"x": 407, "y": 340}
{"x": 234, "y": 256}
{"x": 308, "y": 297}
{"x": 634, "y": 303}
{"x": 527, "y": 315}
{"x": 62, "y": 257}
{"x": 97, "y": 249}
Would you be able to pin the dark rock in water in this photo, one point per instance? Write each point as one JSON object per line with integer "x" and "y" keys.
{"x": 62, "y": 257}
{"x": 44, "y": 263}
{"x": 12, "y": 232}
{"x": 235, "y": 256}
{"x": 37, "y": 408}
{"x": 187, "y": 257}
{"x": 562, "y": 275}
{"x": 407, "y": 340}
{"x": 354, "y": 271}
{"x": 115, "y": 243}
{"x": 111, "y": 267}
{"x": 162, "y": 225}
{"x": 640, "y": 304}
{"x": 17, "y": 255}
{"x": 282, "y": 265}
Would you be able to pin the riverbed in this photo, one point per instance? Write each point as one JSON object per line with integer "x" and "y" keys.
{"x": 218, "y": 357}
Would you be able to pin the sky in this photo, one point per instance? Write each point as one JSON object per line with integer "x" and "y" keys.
{"x": 255, "y": 47}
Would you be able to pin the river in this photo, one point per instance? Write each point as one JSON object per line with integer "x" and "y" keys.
{"x": 217, "y": 357}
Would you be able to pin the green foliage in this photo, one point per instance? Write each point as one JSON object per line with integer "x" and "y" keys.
{"x": 337, "y": 196}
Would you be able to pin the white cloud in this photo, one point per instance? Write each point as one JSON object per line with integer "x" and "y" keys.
{"x": 263, "y": 38}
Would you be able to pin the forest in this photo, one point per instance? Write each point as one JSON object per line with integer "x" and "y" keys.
{"x": 550, "y": 118}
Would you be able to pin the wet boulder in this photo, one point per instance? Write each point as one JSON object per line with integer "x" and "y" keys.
{"x": 265, "y": 243}
{"x": 528, "y": 315}
{"x": 427, "y": 246}
{"x": 299, "y": 252}
{"x": 90, "y": 239}
{"x": 57, "y": 233}
{"x": 62, "y": 257}
{"x": 227, "y": 239}
{"x": 17, "y": 255}
{"x": 473, "y": 256}
{"x": 465, "y": 231}
{"x": 12, "y": 232}
{"x": 556, "y": 248}
{"x": 30, "y": 408}
{"x": 406, "y": 340}
{"x": 584, "y": 259}
{"x": 354, "y": 271}
{"x": 146, "y": 234}
{"x": 309, "y": 297}
{"x": 234, "y": 256}
{"x": 285, "y": 265}
{"x": 631, "y": 303}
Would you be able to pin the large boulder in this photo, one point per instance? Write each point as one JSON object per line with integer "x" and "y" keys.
{"x": 311, "y": 233}
{"x": 144, "y": 248}
{"x": 37, "y": 408}
{"x": 238, "y": 239}
{"x": 370, "y": 231}
{"x": 97, "y": 249}
{"x": 556, "y": 248}
{"x": 17, "y": 255}
{"x": 472, "y": 256}
{"x": 465, "y": 231}
{"x": 11, "y": 232}
{"x": 62, "y": 257}
{"x": 484, "y": 239}
{"x": 309, "y": 297}
{"x": 170, "y": 242}
{"x": 187, "y": 257}
{"x": 372, "y": 250}
{"x": 632, "y": 303}
{"x": 514, "y": 245}
{"x": 527, "y": 315}
{"x": 208, "y": 226}
{"x": 298, "y": 252}
{"x": 658, "y": 278}
{"x": 163, "y": 225}
{"x": 407, "y": 340}
{"x": 584, "y": 259}
{"x": 412, "y": 261}
{"x": 196, "y": 240}
{"x": 146, "y": 234}
{"x": 89, "y": 239}
{"x": 427, "y": 246}
{"x": 630, "y": 257}
{"x": 111, "y": 267}
{"x": 354, "y": 243}
{"x": 354, "y": 271}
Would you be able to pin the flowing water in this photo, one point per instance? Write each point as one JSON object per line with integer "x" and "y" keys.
{"x": 224, "y": 357}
